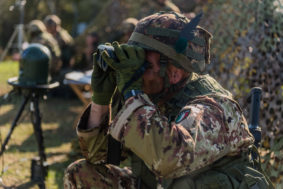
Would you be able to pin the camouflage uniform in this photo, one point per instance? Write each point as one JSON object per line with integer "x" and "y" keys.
{"x": 38, "y": 34}
{"x": 195, "y": 136}
{"x": 64, "y": 39}
{"x": 97, "y": 176}
{"x": 206, "y": 128}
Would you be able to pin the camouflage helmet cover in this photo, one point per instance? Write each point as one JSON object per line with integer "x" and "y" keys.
{"x": 160, "y": 32}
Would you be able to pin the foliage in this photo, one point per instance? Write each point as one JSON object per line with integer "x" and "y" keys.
{"x": 247, "y": 53}
{"x": 71, "y": 12}
{"x": 108, "y": 21}
{"x": 246, "y": 48}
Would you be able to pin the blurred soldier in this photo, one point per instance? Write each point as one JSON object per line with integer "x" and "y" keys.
{"x": 168, "y": 5}
{"x": 187, "y": 5}
{"x": 124, "y": 30}
{"x": 83, "y": 58}
{"x": 127, "y": 27}
{"x": 180, "y": 129}
{"x": 64, "y": 39}
{"x": 37, "y": 34}
{"x": 156, "y": 6}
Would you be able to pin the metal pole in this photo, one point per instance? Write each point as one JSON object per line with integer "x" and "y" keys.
{"x": 19, "y": 30}
{"x": 254, "y": 126}
{"x": 9, "y": 44}
{"x": 36, "y": 122}
{"x": 21, "y": 25}
{"x": 14, "y": 124}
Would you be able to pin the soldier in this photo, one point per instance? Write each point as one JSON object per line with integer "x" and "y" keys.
{"x": 157, "y": 5}
{"x": 64, "y": 39}
{"x": 168, "y": 5}
{"x": 37, "y": 34}
{"x": 180, "y": 129}
{"x": 125, "y": 30}
{"x": 82, "y": 60}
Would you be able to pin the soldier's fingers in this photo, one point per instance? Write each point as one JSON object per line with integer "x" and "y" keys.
{"x": 97, "y": 70}
{"x": 119, "y": 51}
{"x": 95, "y": 59}
{"x": 140, "y": 53}
{"x": 130, "y": 50}
{"x": 105, "y": 56}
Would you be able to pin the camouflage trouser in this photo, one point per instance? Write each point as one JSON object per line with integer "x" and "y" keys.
{"x": 82, "y": 174}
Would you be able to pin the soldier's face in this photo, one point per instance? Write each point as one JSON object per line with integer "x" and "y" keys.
{"x": 152, "y": 82}
{"x": 51, "y": 29}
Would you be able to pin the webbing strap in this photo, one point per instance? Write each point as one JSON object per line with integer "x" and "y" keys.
{"x": 163, "y": 32}
{"x": 165, "y": 49}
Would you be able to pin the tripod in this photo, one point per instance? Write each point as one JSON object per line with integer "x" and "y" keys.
{"x": 19, "y": 31}
{"x": 32, "y": 94}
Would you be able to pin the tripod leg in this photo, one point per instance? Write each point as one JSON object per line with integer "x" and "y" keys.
{"x": 14, "y": 124}
{"x": 9, "y": 44}
{"x": 36, "y": 121}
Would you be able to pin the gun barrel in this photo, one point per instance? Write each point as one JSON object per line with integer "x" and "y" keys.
{"x": 254, "y": 116}
{"x": 255, "y": 107}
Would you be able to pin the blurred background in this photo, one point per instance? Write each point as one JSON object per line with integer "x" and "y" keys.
{"x": 246, "y": 52}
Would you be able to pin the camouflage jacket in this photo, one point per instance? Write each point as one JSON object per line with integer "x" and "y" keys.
{"x": 49, "y": 41}
{"x": 207, "y": 126}
{"x": 64, "y": 39}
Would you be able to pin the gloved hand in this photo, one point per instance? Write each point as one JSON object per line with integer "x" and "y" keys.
{"x": 103, "y": 83}
{"x": 130, "y": 59}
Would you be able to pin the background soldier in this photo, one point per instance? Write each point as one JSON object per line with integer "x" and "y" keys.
{"x": 83, "y": 58}
{"x": 168, "y": 5}
{"x": 181, "y": 129}
{"x": 37, "y": 33}
{"x": 127, "y": 27}
{"x": 124, "y": 30}
{"x": 64, "y": 39}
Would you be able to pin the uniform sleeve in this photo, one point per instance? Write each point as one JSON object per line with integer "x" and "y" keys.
{"x": 175, "y": 149}
{"x": 93, "y": 142}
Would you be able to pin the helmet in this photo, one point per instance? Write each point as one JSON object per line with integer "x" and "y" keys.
{"x": 34, "y": 65}
{"x": 161, "y": 32}
{"x": 36, "y": 26}
{"x": 52, "y": 19}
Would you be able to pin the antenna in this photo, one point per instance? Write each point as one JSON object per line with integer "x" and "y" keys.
{"x": 19, "y": 30}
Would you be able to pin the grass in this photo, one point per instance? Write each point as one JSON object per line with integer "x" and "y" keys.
{"x": 58, "y": 118}
{"x": 7, "y": 69}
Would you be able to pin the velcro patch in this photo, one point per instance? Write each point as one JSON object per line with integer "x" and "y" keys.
{"x": 182, "y": 116}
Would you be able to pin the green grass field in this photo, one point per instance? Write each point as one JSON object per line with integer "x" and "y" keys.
{"x": 7, "y": 70}
{"x": 58, "y": 118}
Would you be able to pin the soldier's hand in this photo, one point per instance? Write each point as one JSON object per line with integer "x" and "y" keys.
{"x": 103, "y": 83}
{"x": 131, "y": 58}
